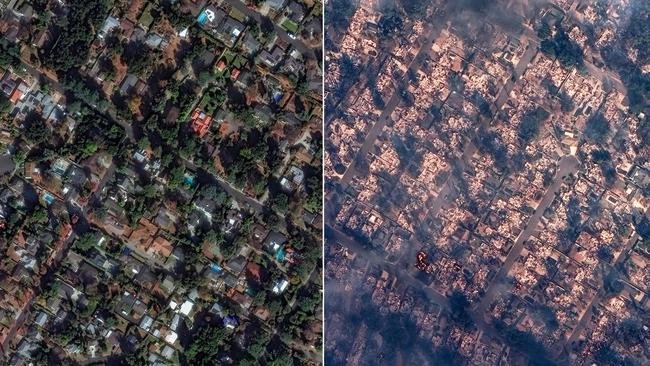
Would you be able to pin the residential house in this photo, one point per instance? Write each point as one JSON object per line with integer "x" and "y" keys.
{"x": 295, "y": 11}
{"x": 230, "y": 31}
{"x": 272, "y": 58}
{"x": 200, "y": 122}
{"x": 250, "y": 44}
{"x": 274, "y": 244}
{"x": 280, "y": 286}
{"x": 275, "y": 5}
{"x": 237, "y": 264}
{"x": 109, "y": 24}
{"x": 211, "y": 17}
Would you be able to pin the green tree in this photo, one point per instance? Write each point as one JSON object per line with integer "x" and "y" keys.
{"x": 88, "y": 149}
{"x": 314, "y": 200}
{"x": 9, "y": 54}
{"x": 214, "y": 237}
{"x": 247, "y": 361}
{"x": 19, "y": 157}
{"x": 39, "y": 215}
{"x": 281, "y": 360}
{"x": 86, "y": 242}
{"x": 35, "y": 131}
{"x": 205, "y": 346}
{"x": 73, "y": 45}
{"x": 280, "y": 203}
{"x": 176, "y": 176}
{"x": 143, "y": 144}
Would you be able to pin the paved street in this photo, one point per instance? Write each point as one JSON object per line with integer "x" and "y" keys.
{"x": 240, "y": 196}
{"x": 586, "y": 315}
{"x": 112, "y": 115}
{"x": 295, "y": 42}
{"x": 404, "y": 275}
{"x": 567, "y": 166}
{"x": 392, "y": 103}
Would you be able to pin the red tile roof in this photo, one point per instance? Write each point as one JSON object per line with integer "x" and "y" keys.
{"x": 200, "y": 122}
{"x": 234, "y": 74}
{"x": 15, "y": 96}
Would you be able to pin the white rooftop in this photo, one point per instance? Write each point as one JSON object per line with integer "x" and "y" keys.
{"x": 186, "y": 308}
{"x": 171, "y": 337}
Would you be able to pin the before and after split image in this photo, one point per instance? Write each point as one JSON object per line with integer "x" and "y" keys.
{"x": 324, "y": 182}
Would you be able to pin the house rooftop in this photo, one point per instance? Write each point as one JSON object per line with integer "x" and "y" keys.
{"x": 109, "y": 24}
{"x": 211, "y": 17}
{"x": 200, "y": 122}
{"x": 274, "y": 241}
{"x": 273, "y": 58}
{"x": 275, "y": 4}
{"x": 237, "y": 264}
{"x": 230, "y": 31}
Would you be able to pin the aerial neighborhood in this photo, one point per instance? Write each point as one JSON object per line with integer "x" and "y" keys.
{"x": 161, "y": 182}
{"x": 487, "y": 183}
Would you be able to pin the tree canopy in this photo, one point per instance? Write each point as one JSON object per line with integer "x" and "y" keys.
{"x": 205, "y": 346}
{"x": 568, "y": 53}
{"x": 72, "y": 48}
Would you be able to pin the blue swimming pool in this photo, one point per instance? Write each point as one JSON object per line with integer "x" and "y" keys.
{"x": 216, "y": 268}
{"x": 48, "y": 198}
{"x": 189, "y": 180}
{"x": 280, "y": 255}
{"x": 202, "y": 19}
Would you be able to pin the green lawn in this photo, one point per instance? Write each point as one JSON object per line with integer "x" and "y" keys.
{"x": 204, "y": 102}
{"x": 146, "y": 18}
{"x": 239, "y": 61}
{"x": 291, "y": 26}
{"x": 238, "y": 15}
{"x": 228, "y": 56}
{"x": 223, "y": 73}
